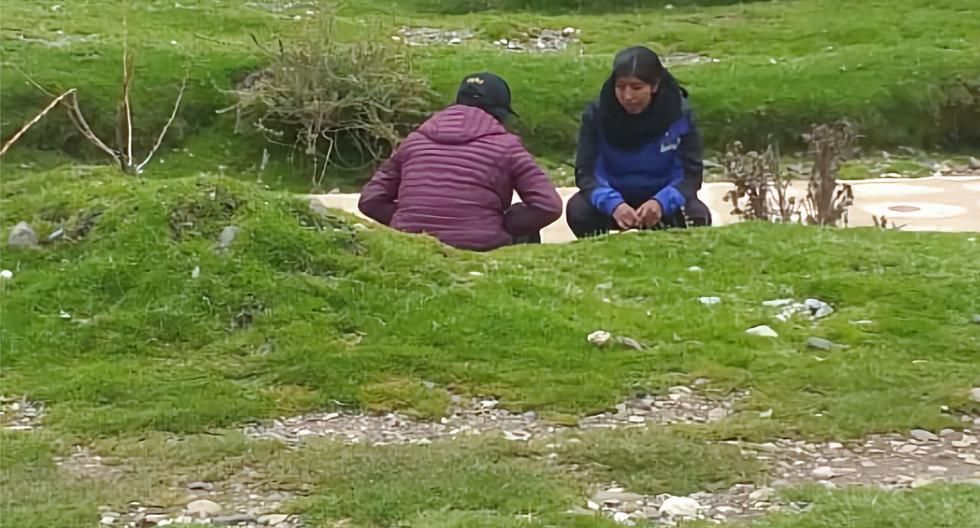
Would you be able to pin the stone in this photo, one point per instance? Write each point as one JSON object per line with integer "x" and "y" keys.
{"x": 234, "y": 520}
{"x": 22, "y": 236}
{"x": 622, "y": 497}
{"x": 200, "y": 486}
{"x": 709, "y": 301}
{"x": 818, "y": 308}
{"x": 600, "y": 338}
{"x": 923, "y": 435}
{"x": 761, "y": 494}
{"x": 974, "y": 163}
{"x": 227, "y": 237}
{"x": 203, "y": 508}
{"x": 835, "y": 445}
{"x": 823, "y": 473}
{"x": 621, "y": 517}
{"x": 717, "y": 414}
{"x": 975, "y": 394}
{"x": 695, "y": 269}
{"x": 683, "y": 507}
{"x": 107, "y": 521}
{"x": 762, "y": 331}
{"x": 6, "y": 274}
{"x": 819, "y": 344}
{"x": 946, "y": 432}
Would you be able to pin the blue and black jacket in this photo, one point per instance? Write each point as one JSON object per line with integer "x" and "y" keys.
{"x": 668, "y": 169}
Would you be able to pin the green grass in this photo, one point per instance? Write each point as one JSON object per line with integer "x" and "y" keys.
{"x": 941, "y": 506}
{"x": 305, "y": 310}
{"x": 904, "y": 71}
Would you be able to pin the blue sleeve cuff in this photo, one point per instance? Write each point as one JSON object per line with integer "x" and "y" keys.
{"x": 670, "y": 200}
{"x": 606, "y": 199}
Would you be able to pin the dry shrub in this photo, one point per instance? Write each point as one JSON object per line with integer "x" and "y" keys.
{"x": 344, "y": 105}
{"x": 762, "y": 188}
{"x": 829, "y": 145}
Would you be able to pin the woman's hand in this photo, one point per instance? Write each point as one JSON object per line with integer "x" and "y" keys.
{"x": 626, "y": 217}
{"x": 649, "y": 214}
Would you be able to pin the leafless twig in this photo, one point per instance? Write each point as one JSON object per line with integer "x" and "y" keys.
{"x": 32, "y": 122}
{"x": 166, "y": 128}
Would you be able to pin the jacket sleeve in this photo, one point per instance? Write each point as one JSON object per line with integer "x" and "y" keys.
{"x": 687, "y": 173}
{"x": 602, "y": 196}
{"x": 379, "y": 197}
{"x": 542, "y": 204}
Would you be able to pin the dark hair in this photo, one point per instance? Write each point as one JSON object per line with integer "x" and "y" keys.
{"x": 639, "y": 62}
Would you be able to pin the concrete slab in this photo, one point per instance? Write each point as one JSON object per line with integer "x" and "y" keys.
{"x": 941, "y": 203}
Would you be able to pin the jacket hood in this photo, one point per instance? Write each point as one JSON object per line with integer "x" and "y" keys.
{"x": 461, "y": 124}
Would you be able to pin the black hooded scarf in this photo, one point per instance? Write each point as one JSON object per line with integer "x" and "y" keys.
{"x": 631, "y": 132}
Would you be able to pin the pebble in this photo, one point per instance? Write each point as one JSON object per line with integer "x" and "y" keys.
{"x": 200, "y": 486}
{"x": 820, "y": 344}
{"x": 923, "y": 435}
{"x": 6, "y": 274}
{"x": 231, "y": 520}
{"x": 203, "y": 508}
{"x": 599, "y": 338}
{"x": 823, "y": 473}
{"x": 683, "y": 507}
{"x": 975, "y": 393}
{"x": 227, "y": 237}
{"x": 762, "y": 331}
{"x": 709, "y": 301}
{"x": 22, "y": 236}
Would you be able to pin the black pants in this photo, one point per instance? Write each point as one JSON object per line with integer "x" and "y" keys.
{"x": 585, "y": 220}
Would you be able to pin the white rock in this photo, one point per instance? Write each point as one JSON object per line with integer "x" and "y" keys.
{"x": 766, "y": 414}
{"x": 818, "y": 308}
{"x": 22, "y": 236}
{"x": 975, "y": 394}
{"x": 227, "y": 237}
{"x": 203, "y": 508}
{"x": 709, "y": 300}
{"x": 974, "y": 163}
{"x": 835, "y": 445}
{"x": 761, "y": 494}
{"x": 569, "y": 31}
{"x": 622, "y": 517}
{"x": 762, "y": 331}
{"x": 107, "y": 521}
{"x": 600, "y": 338}
{"x": 592, "y": 505}
{"x": 695, "y": 269}
{"x": 683, "y": 507}
{"x": 923, "y": 435}
{"x": 6, "y": 274}
{"x": 823, "y": 473}
{"x": 272, "y": 520}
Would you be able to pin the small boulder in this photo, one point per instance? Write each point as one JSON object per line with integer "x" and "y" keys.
{"x": 975, "y": 394}
{"x": 762, "y": 331}
{"x": 974, "y": 163}
{"x": 203, "y": 508}
{"x": 819, "y": 344}
{"x": 682, "y": 507}
{"x": 22, "y": 236}
{"x": 599, "y": 338}
{"x": 923, "y": 435}
{"x": 227, "y": 237}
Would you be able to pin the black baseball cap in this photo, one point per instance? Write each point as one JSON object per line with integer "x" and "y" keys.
{"x": 487, "y": 91}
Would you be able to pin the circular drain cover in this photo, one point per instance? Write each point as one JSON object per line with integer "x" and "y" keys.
{"x": 904, "y": 208}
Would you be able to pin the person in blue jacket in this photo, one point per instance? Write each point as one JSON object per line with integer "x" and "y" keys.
{"x": 639, "y": 160}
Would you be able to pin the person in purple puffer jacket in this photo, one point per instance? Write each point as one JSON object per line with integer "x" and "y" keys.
{"x": 454, "y": 178}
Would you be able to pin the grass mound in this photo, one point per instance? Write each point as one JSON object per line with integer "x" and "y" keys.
{"x": 143, "y": 322}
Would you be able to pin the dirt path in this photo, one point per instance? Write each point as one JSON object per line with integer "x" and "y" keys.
{"x": 945, "y": 203}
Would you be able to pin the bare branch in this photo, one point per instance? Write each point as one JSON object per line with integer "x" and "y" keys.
{"x": 32, "y": 122}
{"x": 166, "y": 128}
{"x": 75, "y": 113}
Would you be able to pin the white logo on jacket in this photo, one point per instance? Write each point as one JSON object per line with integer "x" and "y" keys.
{"x": 667, "y": 147}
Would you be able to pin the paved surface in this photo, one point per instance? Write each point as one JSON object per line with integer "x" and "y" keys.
{"x": 944, "y": 203}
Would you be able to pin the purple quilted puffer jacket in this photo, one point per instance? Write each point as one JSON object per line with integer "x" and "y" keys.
{"x": 454, "y": 179}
